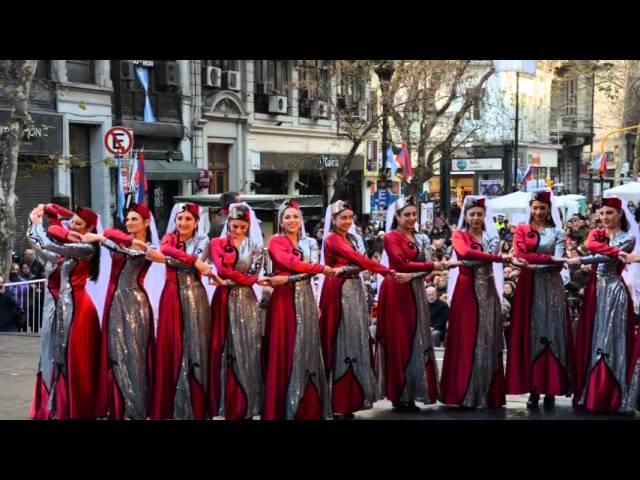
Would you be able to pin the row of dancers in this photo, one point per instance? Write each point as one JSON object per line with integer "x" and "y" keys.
{"x": 137, "y": 328}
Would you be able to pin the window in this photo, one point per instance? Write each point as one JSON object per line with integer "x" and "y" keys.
{"x": 43, "y": 72}
{"x": 222, "y": 64}
{"x": 79, "y": 148}
{"x": 314, "y": 83}
{"x": 219, "y": 167}
{"x": 571, "y": 96}
{"x": 274, "y": 72}
{"x": 81, "y": 71}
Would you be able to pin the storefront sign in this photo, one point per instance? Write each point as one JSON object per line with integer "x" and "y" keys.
{"x": 43, "y": 138}
{"x": 329, "y": 161}
{"x": 144, "y": 63}
{"x": 491, "y": 188}
{"x": 542, "y": 158}
{"x": 475, "y": 164}
{"x": 205, "y": 179}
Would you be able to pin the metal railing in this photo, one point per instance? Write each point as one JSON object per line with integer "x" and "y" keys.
{"x": 29, "y": 295}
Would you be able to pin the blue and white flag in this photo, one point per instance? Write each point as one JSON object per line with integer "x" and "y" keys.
{"x": 143, "y": 76}
{"x": 391, "y": 163}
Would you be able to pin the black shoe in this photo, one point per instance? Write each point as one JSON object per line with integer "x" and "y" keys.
{"x": 549, "y": 401}
{"x": 340, "y": 416}
{"x": 533, "y": 400}
{"x": 412, "y": 408}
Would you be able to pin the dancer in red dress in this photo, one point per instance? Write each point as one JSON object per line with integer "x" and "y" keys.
{"x": 472, "y": 370}
{"x": 183, "y": 340}
{"x": 344, "y": 316}
{"x": 296, "y": 386}
{"x": 540, "y": 349}
{"x": 75, "y": 326}
{"x": 607, "y": 348}
{"x": 236, "y": 385}
{"x": 407, "y": 369}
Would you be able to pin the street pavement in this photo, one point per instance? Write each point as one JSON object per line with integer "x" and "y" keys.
{"x": 19, "y": 358}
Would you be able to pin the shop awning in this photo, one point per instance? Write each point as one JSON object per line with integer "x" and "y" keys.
{"x": 178, "y": 170}
{"x": 255, "y": 201}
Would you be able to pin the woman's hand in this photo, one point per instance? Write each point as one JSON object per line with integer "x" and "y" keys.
{"x": 139, "y": 245}
{"x": 155, "y": 255}
{"x": 91, "y": 237}
{"x": 574, "y": 261}
{"x": 278, "y": 280}
{"x": 402, "y": 277}
{"x": 506, "y": 257}
{"x": 36, "y": 215}
{"x": 74, "y": 236}
{"x": 328, "y": 271}
{"x": 439, "y": 265}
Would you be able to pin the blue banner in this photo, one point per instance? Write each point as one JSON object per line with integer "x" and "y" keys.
{"x": 143, "y": 76}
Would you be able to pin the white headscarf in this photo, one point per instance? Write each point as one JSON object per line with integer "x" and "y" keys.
{"x": 97, "y": 289}
{"x": 156, "y": 275}
{"x": 631, "y": 272}
{"x": 202, "y": 231}
{"x": 492, "y": 231}
{"x": 255, "y": 234}
{"x": 391, "y": 214}
{"x": 281, "y": 209}
{"x": 328, "y": 215}
{"x": 557, "y": 220}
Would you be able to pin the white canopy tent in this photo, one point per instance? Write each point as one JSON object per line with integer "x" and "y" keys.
{"x": 629, "y": 192}
{"x": 513, "y": 206}
{"x": 571, "y": 204}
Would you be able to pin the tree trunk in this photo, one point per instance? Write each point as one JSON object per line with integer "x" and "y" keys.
{"x": 343, "y": 172}
{"x": 635, "y": 165}
{"x": 9, "y": 150}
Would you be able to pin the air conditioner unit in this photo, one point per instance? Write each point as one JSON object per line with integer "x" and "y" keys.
{"x": 168, "y": 74}
{"x": 231, "y": 80}
{"x": 319, "y": 109}
{"x": 278, "y": 104}
{"x": 126, "y": 70}
{"x": 264, "y": 88}
{"x": 212, "y": 77}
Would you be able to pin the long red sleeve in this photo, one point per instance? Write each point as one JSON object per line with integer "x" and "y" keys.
{"x": 55, "y": 212}
{"x": 58, "y": 233}
{"x": 118, "y": 237}
{"x": 218, "y": 255}
{"x": 394, "y": 244}
{"x": 520, "y": 246}
{"x": 167, "y": 248}
{"x": 280, "y": 251}
{"x": 340, "y": 247}
{"x": 598, "y": 242}
{"x": 462, "y": 246}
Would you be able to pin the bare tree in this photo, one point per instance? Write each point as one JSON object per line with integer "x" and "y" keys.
{"x": 436, "y": 95}
{"x": 16, "y": 85}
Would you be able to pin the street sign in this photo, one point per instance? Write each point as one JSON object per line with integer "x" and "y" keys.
{"x": 118, "y": 141}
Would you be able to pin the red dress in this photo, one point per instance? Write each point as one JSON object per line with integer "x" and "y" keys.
{"x": 406, "y": 361}
{"x": 540, "y": 350}
{"x": 126, "y": 348}
{"x": 236, "y": 384}
{"x": 181, "y": 358}
{"x": 473, "y": 369}
{"x": 76, "y": 322}
{"x": 295, "y": 380}
{"x": 44, "y": 378}
{"x": 607, "y": 348}
{"x": 344, "y": 327}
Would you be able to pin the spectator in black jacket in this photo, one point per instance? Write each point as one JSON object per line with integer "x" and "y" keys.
{"x": 439, "y": 312}
{"x": 10, "y": 312}
{"x": 226, "y": 199}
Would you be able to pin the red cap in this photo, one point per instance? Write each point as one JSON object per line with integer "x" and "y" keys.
{"x": 88, "y": 216}
{"x": 478, "y": 202}
{"x": 293, "y": 204}
{"x": 192, "y": 208}
{"x": 612, "y": 202}
{"x": 141, "y": 209}
{"x": 544, "y": 197}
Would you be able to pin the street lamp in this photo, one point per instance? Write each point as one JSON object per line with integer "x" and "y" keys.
{"x": 519, "y": 66}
